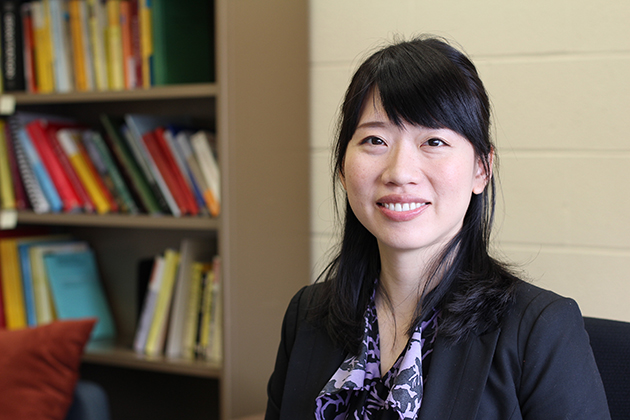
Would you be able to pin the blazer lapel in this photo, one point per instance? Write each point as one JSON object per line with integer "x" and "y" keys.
{"x": 456, "y": 378}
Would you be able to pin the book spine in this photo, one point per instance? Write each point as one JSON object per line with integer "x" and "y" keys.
{"x": 161, "y": 193}
{"x": 13, "y": 293}
{"x": 146, "y": 42}
{"x": 80, "y": 73}
{"x": 41, "y": 174}
{"x": 115, "y": 69}
{"x": 12, "y": 50}
{"x": 113, "y": 205}
{"x": 7, "y": 194}
{"x": 182, "y": 185}
{"x": 184, "y": 170}
{"x": 127, "y": 46}
{"x": 69, "y": 147}
{"x": 60, "y": 65}
{"x": 114, "y": 173}
{"x": 21, "y": 198}
{"x": 42, "y": 47}
{"x": 43, "y": 145}
{"x": 165, "y": 171}
{"x": 212, "y": 203}
{"x": 208, "y": 165}
{"x": 28, "y": 47}
{"x": 97, "y": 39}
{"x": 127, "y": 163}
{"x": 136, "y": 44}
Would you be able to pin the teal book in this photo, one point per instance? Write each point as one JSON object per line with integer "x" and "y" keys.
{"x": 183, "y": 41}
{"x": 77, "y": 290}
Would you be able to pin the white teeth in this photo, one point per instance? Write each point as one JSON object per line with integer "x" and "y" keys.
{"x": 403, "y": 206}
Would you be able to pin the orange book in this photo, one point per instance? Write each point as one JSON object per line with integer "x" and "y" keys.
{"x": 113, "y": 205}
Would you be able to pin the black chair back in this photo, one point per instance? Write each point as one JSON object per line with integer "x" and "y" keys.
{"x": 610, "y": 341}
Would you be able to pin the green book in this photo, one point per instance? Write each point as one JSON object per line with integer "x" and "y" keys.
{"x": 183, "y": 41}
{"x": 129, "y": 165}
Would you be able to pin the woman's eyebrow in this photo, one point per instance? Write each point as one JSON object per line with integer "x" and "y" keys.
{"x": 372, "y": 124}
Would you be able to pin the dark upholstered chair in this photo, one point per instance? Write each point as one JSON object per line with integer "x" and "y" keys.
{"x": 610, "y": 341}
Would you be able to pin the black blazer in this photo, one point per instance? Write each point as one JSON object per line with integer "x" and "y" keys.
{"x": 537, "y": 365}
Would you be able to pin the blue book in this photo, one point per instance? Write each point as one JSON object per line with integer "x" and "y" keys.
{"x": 41, "y": 174}
{"x": 24, "y": 246}
{"x": 77, "y": 290}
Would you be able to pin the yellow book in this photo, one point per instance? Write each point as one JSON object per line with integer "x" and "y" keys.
{"x": 113, "y": 38}
{"x": 96, "y": 23}
{"x": 43, "y": 47}
{"x": 12, "y": 290}
{"x": 7, "y": 195}
{"x": 78, "y": 47}
{"x": 68, "y": 139}
{"x": 146, "y": 41}
{"x": 157, "y": 332}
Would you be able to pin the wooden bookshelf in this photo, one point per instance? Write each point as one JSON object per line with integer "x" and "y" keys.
{"x": 259, "y": 110}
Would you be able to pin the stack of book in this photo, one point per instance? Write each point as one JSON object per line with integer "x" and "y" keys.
{"x": 45, "y": 277}
{"x": 138, "y": 164}
{"x": 82, "y": 45}
{"x": 181, "y": 308}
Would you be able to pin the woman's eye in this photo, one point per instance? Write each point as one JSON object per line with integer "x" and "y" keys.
{"x": 374, "y": 141}
{"x": 435, "y": 143}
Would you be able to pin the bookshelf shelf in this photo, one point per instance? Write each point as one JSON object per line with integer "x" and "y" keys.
{"x": 200, "y": 90}
{"x": 120, "y": 357}
{"x": 141, "y": 221}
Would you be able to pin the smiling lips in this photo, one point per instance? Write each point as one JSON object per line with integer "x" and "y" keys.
{"x": 400, "y": 211}
{"x": 398, "y": 207}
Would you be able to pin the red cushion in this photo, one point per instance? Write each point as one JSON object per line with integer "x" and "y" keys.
{"x": 39, "y": 368}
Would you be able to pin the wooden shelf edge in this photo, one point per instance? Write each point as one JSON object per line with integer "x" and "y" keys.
{"x": 119, "y": 220}
{"x": 158, "y": 92}
{"x": 127, "y": 358}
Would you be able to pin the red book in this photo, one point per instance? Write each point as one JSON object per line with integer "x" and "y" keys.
{"x": 179, "y": 177}
{"x": 28, "y": 47}
{"x": 69, "y": 197}
{"x": 136, "y": 43}
{"x": 79, "y": 188}
{"x": 161, "y": 162}
{"x": 21, "y": 199}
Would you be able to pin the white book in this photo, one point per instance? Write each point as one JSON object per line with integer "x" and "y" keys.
{"x": 200, "y": 142}
{"x": 148, "y": 307}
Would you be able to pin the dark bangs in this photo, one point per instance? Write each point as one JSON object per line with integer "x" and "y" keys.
{"x": 421, "y": 82}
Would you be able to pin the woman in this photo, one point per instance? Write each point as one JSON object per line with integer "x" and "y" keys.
{"x": 415, "y": 320}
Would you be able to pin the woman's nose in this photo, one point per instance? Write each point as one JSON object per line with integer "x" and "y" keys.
{"x": 401, "y": 167}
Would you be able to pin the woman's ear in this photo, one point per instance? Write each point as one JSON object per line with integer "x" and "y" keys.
{"x": 483, "y": 173}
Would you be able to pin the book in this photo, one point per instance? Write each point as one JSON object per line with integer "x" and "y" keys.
{"x": 182, "y": 139}
{"x": 108, "y": 171}
{"x": 191, "y": 251}
{"x": 157, "y": 332}
{"x": 199, "y": 270}
{"x": 148, "y": 307}
{"x": 113, "y": 34}
{"x": 68, "y": 140}
{"x": 97, "y": 21}
{"x": 39, "y": 170}
{"x": 136, "y": 127}
{"x": 28, "y": 40}
{"x": 77, "y": 290}
{"x": 82, "y": 54}
{"x": 42, "y": 295}
{"x": 183, "y": 188}
{"x": 127, "y": 45}
{"x": 24, "y": 246}
{"x": 59, "y": 29}
{"x": 165, "y": 171}
{"x": 129, "y": 166}
{"x": 136, "y": 44}
{"x": 146, "y": 41}
{"x": 200, "y": 142}
{"x": 37, "y": 131}
{"x": 7, "y": 194}
{"x": 182, "y": 166}
{"x": 36, "y": 196}
{"x": 42, "y": 44}
{"x": 182, "y": 42}
{"x": 12, "y": 49}
{"x": 21, "y": 199}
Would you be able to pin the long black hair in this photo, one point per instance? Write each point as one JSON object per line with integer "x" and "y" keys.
{"x": 425, "y": 82}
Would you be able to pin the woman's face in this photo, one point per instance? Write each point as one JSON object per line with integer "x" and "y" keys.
{"x": 409, "y": 185}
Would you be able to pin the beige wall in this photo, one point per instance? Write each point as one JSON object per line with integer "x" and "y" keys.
{"x": 558, "y": 73}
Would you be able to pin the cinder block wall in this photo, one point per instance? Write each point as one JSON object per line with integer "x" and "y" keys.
{"x": 558, "y": 74}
